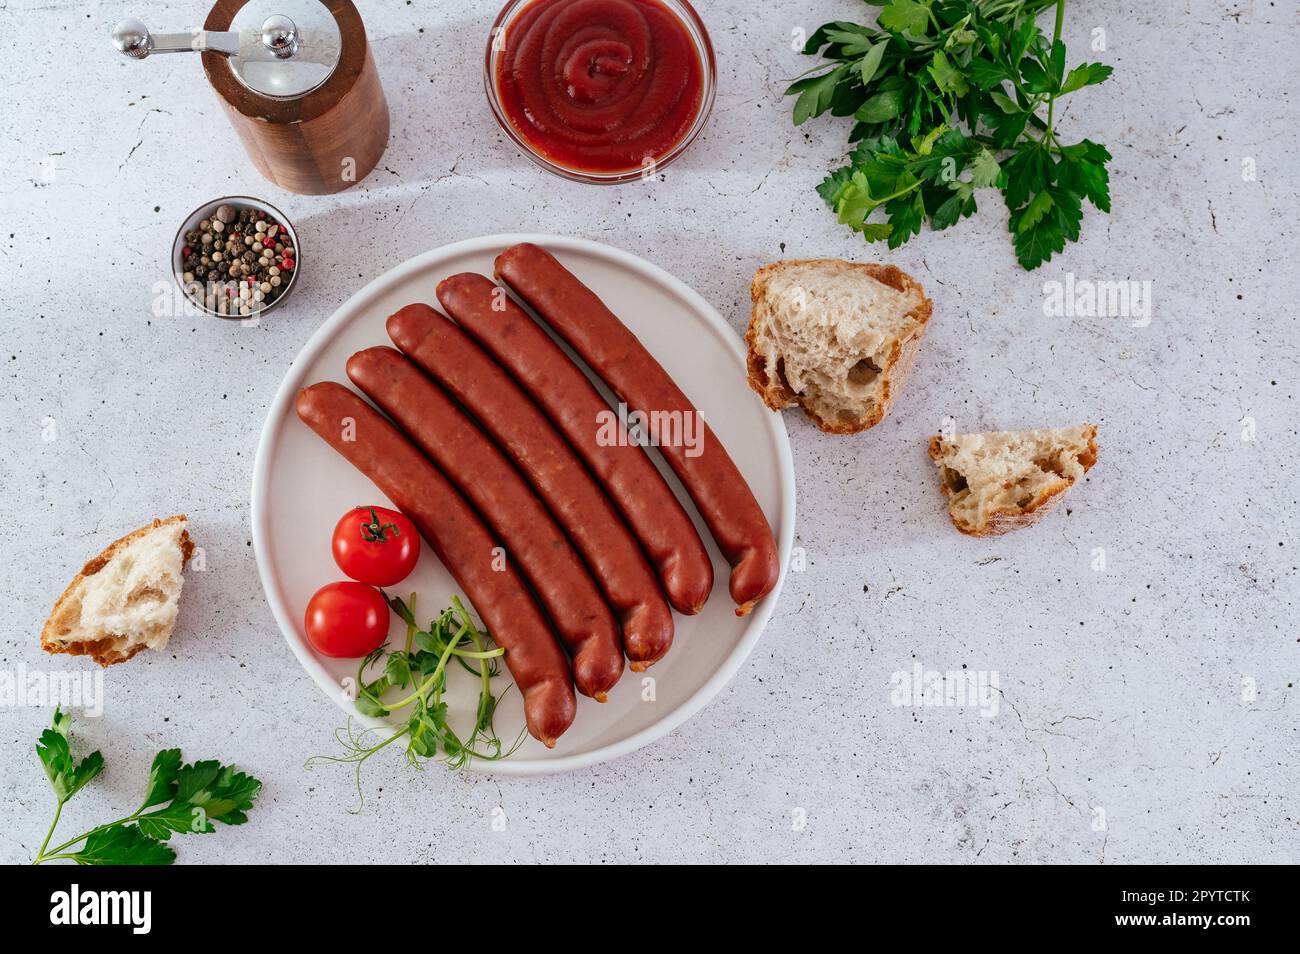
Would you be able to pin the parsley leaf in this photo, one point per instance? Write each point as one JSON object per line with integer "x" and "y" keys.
{"x": 906, "y": 214}
{"x": 66, "y": 776}
{"x": 950, "y": 97}
{"x": 985, "y": 74}
{"x": 202, "y": 793}
{"x": 905, "y": 16}
{"x": 881, "y": 108}
{"x": 947, "y": 77}
{"x": 945, "y": 159}
{"x": 985, "y": 171}
{"x": 123, "y": 845}
{"x": 853, "y": 40}
{"x": 1037, "y": 244}
{"x": 1028, "y": 170}
{"x": 162, "y": 777}
{"x": 830, "y": 187}
{"x": 815, "y": 94}
{"x": 193, "y": 796}
{"x": 956, "y": 207}
{"x": 1085, "y": 74}
{"x": 1033, "y": 213}
{"x": 870, "y": 64}
{"x": 1083, "y": 168}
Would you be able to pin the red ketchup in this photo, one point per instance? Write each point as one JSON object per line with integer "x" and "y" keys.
{"x": 600, "y": 85}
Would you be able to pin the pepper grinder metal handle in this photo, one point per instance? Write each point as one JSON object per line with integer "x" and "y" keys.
{"x": 133, "y": 39}
{"x": 296, "y": 79}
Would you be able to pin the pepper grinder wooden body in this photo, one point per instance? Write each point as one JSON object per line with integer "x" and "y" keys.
{"x": 319, "y": 143}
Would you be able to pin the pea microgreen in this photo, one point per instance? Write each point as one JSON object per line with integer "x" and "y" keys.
{"x": 417, "y": 675}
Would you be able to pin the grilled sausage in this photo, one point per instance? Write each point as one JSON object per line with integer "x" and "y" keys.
{"x": 710, "y": 476}
{"x": 480, "y": 385}
{"x": 574, "y": 405}
{"x": 460, "y": 540}
{"x": 474, "y": 465}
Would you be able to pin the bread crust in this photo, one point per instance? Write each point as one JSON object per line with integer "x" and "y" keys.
{"x": 101, "y": 650}
{"x": 1009, "y": 519}
{"x": 894, "y": 375}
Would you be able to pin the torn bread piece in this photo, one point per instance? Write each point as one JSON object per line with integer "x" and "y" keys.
{"x": 837, "y": 338}
{"x": 1001, "y": 481}
{"x": 124, "y": 600}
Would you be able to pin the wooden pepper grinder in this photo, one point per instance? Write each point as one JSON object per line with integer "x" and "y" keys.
{"x": 297, "y": 82}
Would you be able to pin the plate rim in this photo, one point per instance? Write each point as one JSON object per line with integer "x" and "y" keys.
{"x": 290, "y": 384}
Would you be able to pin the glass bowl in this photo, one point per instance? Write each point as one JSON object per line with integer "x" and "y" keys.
{"x": 699, "y": 35}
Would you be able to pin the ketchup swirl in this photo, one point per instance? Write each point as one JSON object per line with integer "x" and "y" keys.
{"x": 600, "y": 85}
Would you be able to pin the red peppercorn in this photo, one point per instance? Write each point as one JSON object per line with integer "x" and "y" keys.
{"x": 187, "y": 251}
{"x": 288, "y": 264}
{"x": 268, "y": 242}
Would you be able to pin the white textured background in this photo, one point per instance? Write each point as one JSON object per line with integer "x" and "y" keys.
{"x": 1122, "y": 690}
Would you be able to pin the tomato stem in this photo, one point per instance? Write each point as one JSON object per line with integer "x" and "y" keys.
{"x": 374, "y": 531}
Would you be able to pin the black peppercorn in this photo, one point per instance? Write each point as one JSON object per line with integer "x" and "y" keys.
{"x": 231, "y": 249}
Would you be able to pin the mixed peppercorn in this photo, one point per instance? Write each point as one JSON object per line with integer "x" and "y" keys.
{"x": 237, "y": 262}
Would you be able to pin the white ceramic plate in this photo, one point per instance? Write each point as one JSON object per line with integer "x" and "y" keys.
{"x": 301, "y": 487}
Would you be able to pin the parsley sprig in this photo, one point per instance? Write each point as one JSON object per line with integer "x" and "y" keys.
{"x": 185, "y": 799}
{"x": 949, "y": 97}
{"x": 419, "y": 670}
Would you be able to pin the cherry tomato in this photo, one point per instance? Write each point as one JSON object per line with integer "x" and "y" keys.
{"x": 347, "y": 620}
{"x": 376, "y": 545}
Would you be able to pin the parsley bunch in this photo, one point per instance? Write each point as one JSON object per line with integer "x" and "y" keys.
{"x": 951, "y": 96}
{"x": 185, "y": 799}
{"x": 420, "y": 670}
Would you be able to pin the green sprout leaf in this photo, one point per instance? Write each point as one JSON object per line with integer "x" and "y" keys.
{"x": 419, "y": 671}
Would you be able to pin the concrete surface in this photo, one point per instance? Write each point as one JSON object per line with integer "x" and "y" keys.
{"x": 1145, "y": 712}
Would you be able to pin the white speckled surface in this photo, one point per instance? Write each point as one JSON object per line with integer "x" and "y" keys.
{"x": 1125, "y": 690}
